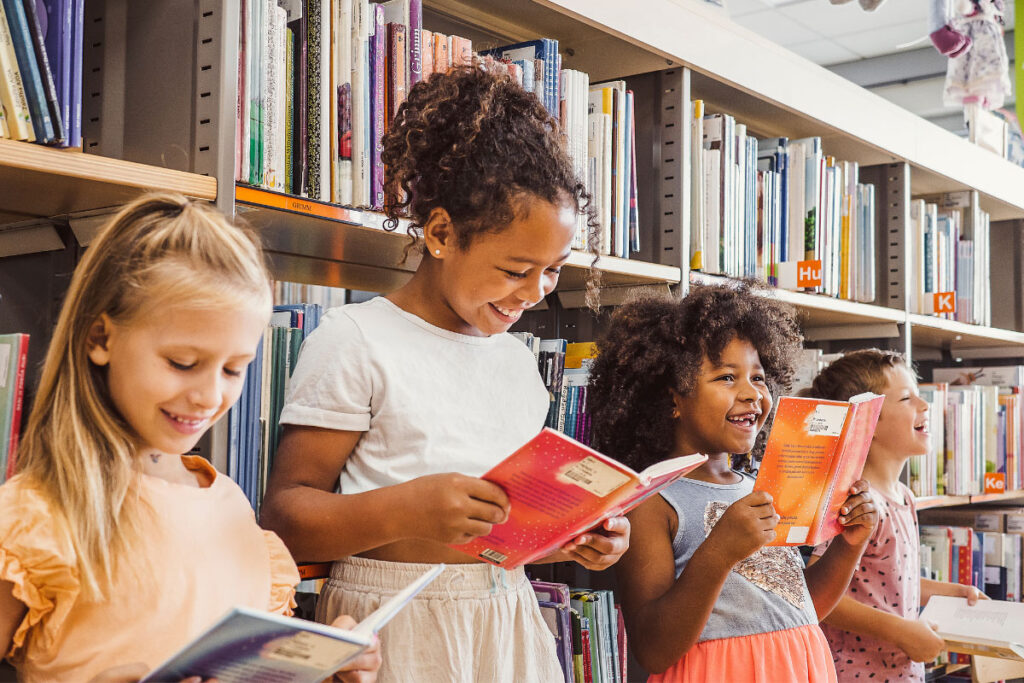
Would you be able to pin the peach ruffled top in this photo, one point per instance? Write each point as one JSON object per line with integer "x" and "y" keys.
{"x": 204, "y": 555}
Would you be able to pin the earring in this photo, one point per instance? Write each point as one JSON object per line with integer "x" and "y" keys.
{"x": 675, "y": 414}
{"x": 437, "y": 252}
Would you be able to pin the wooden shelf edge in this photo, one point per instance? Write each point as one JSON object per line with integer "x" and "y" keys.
{"x": 25, "y": 156}
{"x": 926, "y": 502}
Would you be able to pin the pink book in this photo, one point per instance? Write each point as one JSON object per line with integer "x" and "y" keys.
{"x": 441, "y": 61}
{"x": 19, "y": 398}
{"x": 427, "y": 50}
{"x": 560, "y": 488}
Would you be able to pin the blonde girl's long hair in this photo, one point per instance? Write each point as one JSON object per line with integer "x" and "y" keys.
{"x": 78, "y": 452}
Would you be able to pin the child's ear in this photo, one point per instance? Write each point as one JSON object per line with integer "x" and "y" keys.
{"x": 677, "y": 403}
{"x": 97, "y": 342}
{"x": 439, "y": 233}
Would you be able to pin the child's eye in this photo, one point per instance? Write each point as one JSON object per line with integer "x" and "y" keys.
{"x": 759, "y": 379}
{"x": 181, "y": 366}
{"x": 512, "y": 273}
{"x": 554, "y": 271}
{"x": 233, "y": 373}
{"x": 727, "y": 378}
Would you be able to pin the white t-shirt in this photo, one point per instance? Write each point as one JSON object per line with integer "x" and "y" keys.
{"x": 429, "y": 400}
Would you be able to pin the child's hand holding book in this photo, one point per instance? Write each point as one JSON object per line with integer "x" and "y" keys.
{"x": 461, "y": 507}
{"x": 599, "y": 548}
{"x": 858, "y": 515}
{"x": 362, "y": 669}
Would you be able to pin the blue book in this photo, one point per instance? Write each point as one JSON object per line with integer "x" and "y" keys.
{"x": 248, "y": 645}
{"x": 544, "y": 49}
{"x": 58, "y": 40}
{"x": 36, "y": 16}
{"x": 29, "y": 68}
{"x": 77, "y": 30}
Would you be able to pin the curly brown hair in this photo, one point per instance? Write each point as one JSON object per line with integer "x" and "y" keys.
{"x": 657, "y": 343}
{"x": 855, "y": 373}
{"x": 473, "y": 142}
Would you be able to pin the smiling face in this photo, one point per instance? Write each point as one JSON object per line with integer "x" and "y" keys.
{"x": 487, "y": 286}
{"x": 173, "y": 374}
{"x": 902, "y": 429}
{"x": 728, "y": 405}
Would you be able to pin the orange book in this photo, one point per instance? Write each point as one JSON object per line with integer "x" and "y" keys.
{"x": 815, "y": 451}
{"x": 441, "y": 61}
{"x": 559, "y": 489}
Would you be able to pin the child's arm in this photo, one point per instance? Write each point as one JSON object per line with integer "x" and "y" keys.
{"x": 12, "y": 612}
{"x": 664, "y": 614}
{"x": 916, "y": 638}
{"x": 828, "y": 578}
{"x": 319, "y": 525}
{"x": 956, "y": 590}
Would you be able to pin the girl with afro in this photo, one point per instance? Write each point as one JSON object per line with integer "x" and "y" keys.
{"x": 704, "y": 599}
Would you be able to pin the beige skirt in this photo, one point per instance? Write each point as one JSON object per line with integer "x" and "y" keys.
{"x": 473, "y": 623}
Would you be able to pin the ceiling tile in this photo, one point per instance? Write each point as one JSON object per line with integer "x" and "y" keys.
{"x": 776, "y": 27}
{"x": 831, "y": 20}
{"x": 882, "y": 40}
{"x": 823, "y": 52}
{"x": 737, "y": 8}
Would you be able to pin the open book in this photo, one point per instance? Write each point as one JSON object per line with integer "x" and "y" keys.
{"x": 560, "y": 488}
{"x": 994, "y": 628}
{"x": 815, "y": 451}
{"x": 249, "y": 645}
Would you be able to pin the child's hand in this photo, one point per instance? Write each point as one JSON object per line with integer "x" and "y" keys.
{"x": 919, "y": 640}
{"x": 859, "y": 514}
{"x": 959, "y": 590}
{"x": 362, "y": 669}
{"x": 454, "y": 508}
{"x": 746, "y": 526}
{"x": 600, "y": 548}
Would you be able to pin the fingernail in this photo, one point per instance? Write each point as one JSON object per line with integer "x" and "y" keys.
{"x": 844, "y": 511}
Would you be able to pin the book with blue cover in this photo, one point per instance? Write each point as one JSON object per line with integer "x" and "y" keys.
{"x": 249, "y": 645}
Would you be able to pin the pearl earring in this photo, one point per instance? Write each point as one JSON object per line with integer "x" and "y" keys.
{"x": 437, "y": 252}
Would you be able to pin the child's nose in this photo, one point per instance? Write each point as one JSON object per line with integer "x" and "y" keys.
{"x": 205, "y": 394}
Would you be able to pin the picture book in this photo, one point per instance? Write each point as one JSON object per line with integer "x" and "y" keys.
{"x": 994, "y": 628}
{"x": 815, "y": 451}
{"x": 559, "y": 488}
{"x": 247, "y": 645}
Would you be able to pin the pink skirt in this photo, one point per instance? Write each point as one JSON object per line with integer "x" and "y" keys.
{"x": 794, "y": 654}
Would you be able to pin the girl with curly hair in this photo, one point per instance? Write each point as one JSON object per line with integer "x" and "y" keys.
{"x": 398, "y": 405}
{"x": 874, "y": 630}
{"x": 703, "y": 598}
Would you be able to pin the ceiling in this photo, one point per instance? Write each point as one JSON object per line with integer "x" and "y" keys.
{"x": 886, "y": 50}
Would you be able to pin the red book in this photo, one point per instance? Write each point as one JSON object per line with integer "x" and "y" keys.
{"x": 623, "y": 652}
{"x": 560, "y": 488}
{"x": 588, "y": 670}
{"x": 815, "y": 451}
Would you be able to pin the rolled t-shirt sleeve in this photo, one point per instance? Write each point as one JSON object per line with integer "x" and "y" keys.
{"x": 332, "y": 384}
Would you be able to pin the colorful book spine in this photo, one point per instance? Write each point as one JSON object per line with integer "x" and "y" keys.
{"x": 58, "y": 42}
{"x": 32, "y": 81}
{"x": 378, "y": 113}
{"x": 313, "y": 53}
{"x": 398, "y": 76}
{"x": 415, "y": 39}
{"x": 45, "y": 71}
{"x": 12, "y": 88}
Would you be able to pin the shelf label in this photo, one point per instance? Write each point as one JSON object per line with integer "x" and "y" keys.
{"x": 799, "y": 274}
{"x": 995, "y": 482}
{"x": 944, "y": 302}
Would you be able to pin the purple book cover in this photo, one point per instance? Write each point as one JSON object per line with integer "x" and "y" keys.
{"x": 35, "y": 12}
{"x": 415, "y": 42}
{"x": 378, "y": 49}
{"x": 57, "y": 32}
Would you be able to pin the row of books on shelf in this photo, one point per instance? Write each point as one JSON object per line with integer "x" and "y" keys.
{"x": 254, "y": 421}
{"x": 565, "y": 369}
{"x": 13, "y": 359}
{"x": 976, "y": 422}
{"x": 949, "y": 251}
{"x": 977, "y": 546}
{"x": 320, "y": 84}
{"x": 41, "y": 71}
{"x": 590, "y": 635}
{"x": 759, "y": 207}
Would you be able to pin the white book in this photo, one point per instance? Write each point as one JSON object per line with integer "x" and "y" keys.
{"x": 993, "y": 628}
{"x": 273, "y": 94}
{"x": 361, "y": 27}
{"x": 697, "y": 185}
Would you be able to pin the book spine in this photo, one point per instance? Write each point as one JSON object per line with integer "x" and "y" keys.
{"x": 242, "y": 102}
{"x": 415, "y": 40}
{"x": 345, "y": 31}
{"x": 12, "y": 88}
{"x": 77, "y": 31}
{"x": 396, "y": 54}
{"x": 289, "y": 111}
{"x": 45, "y": 72}
{"x": 58, "y": 48}
{"x": 378, "y": 50}
{"x": 18, "y": 402}
{"x": 313, "y": 49}
{"x": 30, "y": 74}
{"x": 301, "y": 107}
